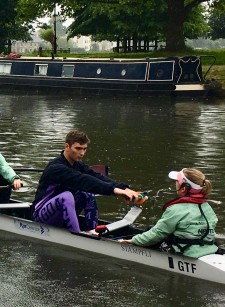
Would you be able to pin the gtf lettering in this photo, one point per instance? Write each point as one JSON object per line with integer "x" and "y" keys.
{"x": 186, "y": 267}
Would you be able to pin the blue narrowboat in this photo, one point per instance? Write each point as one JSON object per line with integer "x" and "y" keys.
{"x": 160, "y": 76}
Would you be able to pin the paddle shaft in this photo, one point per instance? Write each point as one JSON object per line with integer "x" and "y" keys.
{"x": 24, "y": 169}
{"x": 9, "y": 186}
{"x": 220, "y": 238}
{"x": 101, "y": 168}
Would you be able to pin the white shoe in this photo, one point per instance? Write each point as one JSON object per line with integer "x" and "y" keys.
{"x": 92, "y": 232}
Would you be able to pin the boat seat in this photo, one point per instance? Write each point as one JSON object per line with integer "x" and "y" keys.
{"x": 102, "y": 169}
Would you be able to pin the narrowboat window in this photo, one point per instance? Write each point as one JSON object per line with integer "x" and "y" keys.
{"x": 5, "y": 68}
{"x": 161, "y": 71}
{"x": 41, "y": 69}
{"x": 99, "y": 70}
{"x": 123, "y": 72}
{"x": 67, "y": 70}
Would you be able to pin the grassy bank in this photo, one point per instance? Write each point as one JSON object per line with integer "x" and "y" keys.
{"x": 217, "y": 72}
{"x": 218, "y": 54}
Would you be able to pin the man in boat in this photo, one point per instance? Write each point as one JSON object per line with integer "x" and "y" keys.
{"x": 188, "y": 222}
{"x": 8, "y": 179}
{"x": 67, "y": 187}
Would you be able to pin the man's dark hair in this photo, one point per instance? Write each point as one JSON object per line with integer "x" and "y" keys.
{"x": 75, "y": 136}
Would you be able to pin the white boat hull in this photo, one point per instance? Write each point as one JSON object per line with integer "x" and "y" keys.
{"x": 211, "y": 267}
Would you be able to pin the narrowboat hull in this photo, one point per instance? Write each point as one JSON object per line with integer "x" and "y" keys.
{"x": 163, "y": 76}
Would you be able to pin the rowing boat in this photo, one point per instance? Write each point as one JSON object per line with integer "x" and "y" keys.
{"x": 14, "y": 219}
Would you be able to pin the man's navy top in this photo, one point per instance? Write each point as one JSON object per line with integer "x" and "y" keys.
{"x": 77, "y": 177}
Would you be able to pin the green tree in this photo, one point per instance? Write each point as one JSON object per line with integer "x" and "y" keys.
{"x": 10, "y": 26}
{"x": 170, "y": 21}
{"x": 48, "y": 35}
{"x": 113, "y": 21}
{"x": 52, "y": 31}
{"x": 60, "y": 28}
{"x": 169, "y": 18}
{"x": 217, "y": 25}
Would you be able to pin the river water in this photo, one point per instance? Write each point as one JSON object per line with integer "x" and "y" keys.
{"x": 141, "y": 140}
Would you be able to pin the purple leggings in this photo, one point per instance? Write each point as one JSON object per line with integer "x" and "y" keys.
{"x": 62, "y": 210}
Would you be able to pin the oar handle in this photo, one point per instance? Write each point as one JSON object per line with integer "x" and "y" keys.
{"x": 9, "y": 186}
{"x": 142, "y": 197}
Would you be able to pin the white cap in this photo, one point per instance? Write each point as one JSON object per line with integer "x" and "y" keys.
{"x": 181, "y": 178}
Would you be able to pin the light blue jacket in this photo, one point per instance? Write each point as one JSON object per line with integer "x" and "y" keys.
{"x": 6, "y": 171}
{"x": 184, "y": 220}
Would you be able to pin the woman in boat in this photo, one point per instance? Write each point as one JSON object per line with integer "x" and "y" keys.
{"x": 188, "y": 222}
{"x": 8, "y": 178}
{"x": 67, "y": 187}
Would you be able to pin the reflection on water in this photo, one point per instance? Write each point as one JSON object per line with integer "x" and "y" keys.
{"x": 141, "y": 140}
{"x": 36, "y": 275}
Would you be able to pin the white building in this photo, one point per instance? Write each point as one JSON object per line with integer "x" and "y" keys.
{"x": 85, "y": 42}
{"x": 22, "y": 47}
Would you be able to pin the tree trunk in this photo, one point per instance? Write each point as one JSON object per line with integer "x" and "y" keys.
{"x": 175, "y": 30}
{"x": 134, "y": 43}
{"x": 124, "y": 45}
{"x": 118, "y": 45}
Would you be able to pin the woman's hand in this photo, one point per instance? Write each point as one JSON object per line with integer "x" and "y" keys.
{"x": 124, "y": 241}
{"x": 17, "y": 184}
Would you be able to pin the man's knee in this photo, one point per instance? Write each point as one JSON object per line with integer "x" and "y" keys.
{"x": 67, "y": 199}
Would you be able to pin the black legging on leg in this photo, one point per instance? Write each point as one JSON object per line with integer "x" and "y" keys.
{"x": 4, "y": 193}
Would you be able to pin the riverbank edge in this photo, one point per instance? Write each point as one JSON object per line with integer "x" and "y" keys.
{"x": 215, "y": 79}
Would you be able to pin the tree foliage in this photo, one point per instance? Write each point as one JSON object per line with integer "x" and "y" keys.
{"x": 110, "y": 21}
{"x": 217, "y": 25}
{"x": 168, "y": 20}
{"x": 173, "y": 20}
{"x": 48, "y": 35}
{"x": 10, "y": 27}
{"x": 47, "y": 31}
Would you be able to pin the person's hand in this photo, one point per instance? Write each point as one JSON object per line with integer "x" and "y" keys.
{"x": 129, "y": 194}
{"x": 17, "y": 184}
{"x": 124, "y": 241}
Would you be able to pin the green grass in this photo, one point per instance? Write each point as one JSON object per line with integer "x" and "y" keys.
{"x": 217, "y": 72}
{"x": 219, "y": 54}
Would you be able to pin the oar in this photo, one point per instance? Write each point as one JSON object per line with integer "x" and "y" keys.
{"x": 101, "y": 168}
{"x": 15, "y": 205}
{"x": 25, "y": 169}
{"x": 220, "y": 238}
{"x": 10, "y": 186}
{"x": 170, "y": 191}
